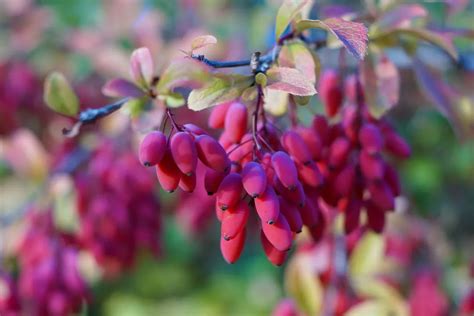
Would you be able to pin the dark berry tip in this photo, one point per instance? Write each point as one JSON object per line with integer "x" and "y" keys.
{"x": 255, "y": 195}
{"x": 226, "y": 238}
{"x": 224, "y": 207}
{"x": 270, "y": 222}
{"x": 210, "y": 193}
{"x": 147, "y": 164}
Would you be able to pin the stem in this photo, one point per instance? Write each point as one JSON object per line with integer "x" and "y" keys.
{"x": 255, "y": 117}
{"x": 293, "y": 114}
{"x": 222, "y": 64}
{"x": 173, "y": 122}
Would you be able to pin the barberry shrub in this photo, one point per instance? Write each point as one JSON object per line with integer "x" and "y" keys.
{"x": 258, "y": 168}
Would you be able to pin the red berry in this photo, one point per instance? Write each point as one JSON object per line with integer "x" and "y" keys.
{"x": 312, "y": 141}
{"x": 168, "y": 173}
{"x": 339, "y": 152}
{"x": 234, "y": 220}
{"x": 231, "y": 249}
{"x": 188, "y": 183}
{"x": 229, "y": 191}
{"x": 321, "y": 126}
{"x": 274, "y": 255}
{"x": 292, "y": 215}
{"x": 236, "y": 121}
{"x": 309, "y": 213}
{"x": 184, "y": 152}
{"x": 371, "y": 165}
{"x": 267, "y": 205}
{"x": 330, "y": 92}
{"x": 375, "y": 217}
{"x": 396, "y": 145}
{"x": 152, "y": 148}
{"x": 381, "y": 195}
{"x": 370, "y": 138}
{"x": 217, "y": 116}
{"x": 279, "y": 233}
{"x": 285, "y": 169}
{"x": 345, "y": 180}
{"x": 254, "y": 179}
{"x": 391, "y": 177}
{"x": 212, "y": 180}
{"x": 294, "y": 144}
{"x": 352, "y": 215}
{"x": 309, "y": 174}
{"x": 211, "y": 153}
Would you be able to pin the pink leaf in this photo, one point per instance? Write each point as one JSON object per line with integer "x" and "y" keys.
{"x": 289, "y": 80}
{"x": 401, "y": 16}
{"x": 353, "y": 35}
{"x": 141, "y": 66}
{"x": 202, "y": 41}
{"x": 121, "y": 88}
{"x": 381, "y": 83}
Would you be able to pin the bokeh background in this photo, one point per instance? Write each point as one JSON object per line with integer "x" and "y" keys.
{"x": 90, "y": 41}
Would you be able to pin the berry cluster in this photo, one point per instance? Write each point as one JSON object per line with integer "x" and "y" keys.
{"x": 50, "y": 282}
{"x": 356, "y": 173}
{"x": 119, "y": 213}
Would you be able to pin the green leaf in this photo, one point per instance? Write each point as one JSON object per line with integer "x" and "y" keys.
{"x": 221, "y": 89}
{"x": 183, "y": 72}
{"x": 286, "y": 13}
{"x": 353, "y": 35}
{"x": 173, "y": 99}
{"x": 59, "y": 96}
{"x": 433, "y": 38}
{"x": 135, "y": 107}
{"x": 303, "y": 285}
{"x": 367, "y": 256}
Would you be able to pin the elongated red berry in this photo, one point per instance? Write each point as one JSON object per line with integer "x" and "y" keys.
{"x": 236, "y": 121}
{"x": 168, "y": 173}
{"x": 351, "y": 122}
{"x": 350, "y": 88}
{"x": 279, "y": 233}
{"x": 396, "y": 145}
{"x": 352, "y": 215}
{"x": 295, "y": 196}
{"x": 344, "y": 181}
{"x": 152, "y": 148}
{"x": 212, "y": 180}
{"x": 294, "y": 144}
{"x": 211, "y": 153}
{"x": 285, "y": 169}
{"x": 184, "y": 152}
{"x": 371, "y": 165}
{"x": 187, "y": 183}
{"x": 217, "y": 116}
{"x": 321, "y": 126}
{"x": 219, "y": 213}
{"x": 229, "y": 191}
{"x": 232, "y": 248}
{"x": 330, "y": 92}
{"x": 292, "y": 215}
{"x": 309, "y": 174}
{"x": 194, "y": 129}
{"x": 309, "y": 213}
{"x": 234, "y": 220}
{"x": 312, "y": 141}
{"x": 375, "y": 217}
{"x": 381, "y": 195}
{"x": 267, "y": 205}
{"x": 339, "y": 152}
{"x": 370, "y": 138}
{"x": 254, "y": 179}
{"x": 391, "y": 177}
{"x": 274, "y": 255}
{"x": 317, "y": 231}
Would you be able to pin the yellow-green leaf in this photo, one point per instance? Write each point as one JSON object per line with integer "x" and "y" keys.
{"x": 286, "y": 13}
{"x": 173, "y": 100}
{"x": 276, "y": 102}
{"x": 220, "y": 89}
{"x": 367, "y": 256}
{"x": 303, "y": 285}
{"x": 59, "y": 96}
{"x": 370, "y": 308}
{"x": 183, "y": 72}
